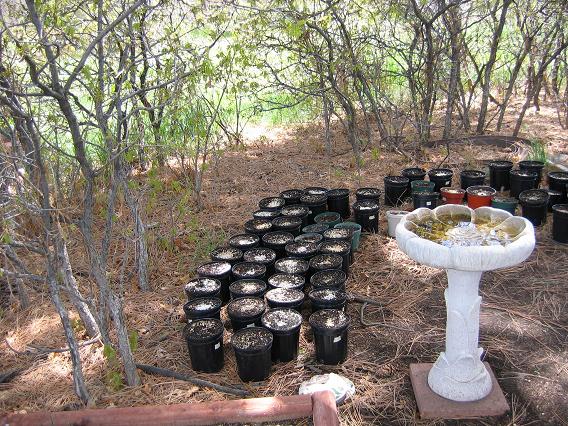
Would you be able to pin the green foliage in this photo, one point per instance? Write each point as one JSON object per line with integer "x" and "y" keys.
{"x": 113, "y": 376}
{"x": 538, "y": 151}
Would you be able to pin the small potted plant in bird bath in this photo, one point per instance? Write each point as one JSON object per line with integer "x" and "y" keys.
{"x": 465, "y": 243}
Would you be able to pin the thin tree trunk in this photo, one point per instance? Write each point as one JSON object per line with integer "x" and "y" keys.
{"x": 22, "y": 294}
{"x": 454, "y": 26}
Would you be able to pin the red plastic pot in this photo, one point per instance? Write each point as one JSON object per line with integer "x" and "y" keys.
{"x": 452, "y": 195}
{"x": 479, "y": 196}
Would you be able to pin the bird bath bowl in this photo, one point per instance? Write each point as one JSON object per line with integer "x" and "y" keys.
{"x": 465, "y": 243}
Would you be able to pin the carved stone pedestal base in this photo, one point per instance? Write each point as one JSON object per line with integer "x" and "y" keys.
{"x": 433, "y": 406}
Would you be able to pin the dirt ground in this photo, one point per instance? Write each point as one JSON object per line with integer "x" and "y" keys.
{"x": 524, "y": 317}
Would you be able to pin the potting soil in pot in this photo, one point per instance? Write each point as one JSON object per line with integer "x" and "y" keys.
{"x": 292, "y": 196}
{"x": 244, "y": 241}
{"x": 327, "y": 298}
{"x": 281, "y": 280}
{"x": 204, "y": 340}
{"x": 203, "y": 307}
{"x": 368, "y": 194}
{"x": 338, "y": 234}
{"x": 252, "y": 348}
{"x": 202, "y": 287}
{"x": 330, "y": 335}
{"x": 333, "y": 278}
{"x": 318, "y": 228}
{"x": 285, "y": 298}
{"x": 271, "y": 203}
{"x": 266, "y": 214}
{"x": 302, "y": 249}
{"x": 249, "y": 270}
{"x": 316, "y": 190}
{"x": 214, "y": 269}
{"x": 260, "y": 255}
{"x": 312, "y": 237}
{"x": 258, "y": 226}
{"x": 291, "y": 265}
{"x": 227, "y": 254}
{"x": 285, "y": 326}
{"x": 245, "y": 312}
{"x": 325, "y": 261}
{"x": 250, "y": 287}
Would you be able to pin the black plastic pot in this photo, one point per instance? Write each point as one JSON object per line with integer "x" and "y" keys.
{"x": 248, "y": 270}
{"x": 534, "y": 204}
{"x": 284, "y": 324}
{"x": 271, "y": 203}
{"x": 342, "y": 248}
{"x": 266, "y": 214}
{"x": 227, "y": 254}
{"x": 245, "y": 312}
{"x": 368, "y": 194}
{"x": 285, "y": 298}
{"x": 413, "y": 173}
{"x": 220, "y": 271}
{"x": 204, "y": 307}
{"x": 316, "y": 228}
{"x": 287, "y": 224}
{"x": 301, "y": 249}
{"x": 252, "y": 348}
{"x": 338, "y": 201}
{"x": 344, "y": 234}
{"x": 316, "y": 190}
{"x": 554, "y": 197}
{"x": 248, "y": 288}
{"x": 292, "y": 265}
{"x": 311, "y": 237}
{"x": 258, "y": 226}
{"x": 441, "y": 178}
{"x": 533, "y": 166}
{"x": 316, "y": 203}
{"x": 471, "y": 178}
{"x": 329, "y": 218}
{"x": 321, "y": 262}
{"x": 244, "y": 241}
{"x": 204, "y": 340}
{"x": 292, "y": 196}
{"x": 521, "y": 180}
{"x": 202, "y": 287}
{"x": 276, "y": 241}
{"x": 329, "y": 278}
{"x": 297, "y": 211}
{"x": 425, "y": 199}
{"x": 499, "y": 174}
{"x": 366, "y": 214}
{"x": 560, "y": 223}
{"x": 396, "y": 188}
{"x": 330, "y": 335}
{"x": 327, "y": 298}
{"x": 281, "y": 280}
{"x": 558, "y": 182}
{"x": 263, "y": 255}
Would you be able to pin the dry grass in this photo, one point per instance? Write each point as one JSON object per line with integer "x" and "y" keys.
{"x": 523, "y": 322}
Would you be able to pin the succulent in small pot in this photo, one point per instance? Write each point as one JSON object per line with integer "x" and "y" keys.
{"x": 280, "y": 280}
{"x": 479, "y": 196}
{"x": 301, "y": 249}
{"x": 452, "y": 195}
{"x": 338, "y": 201}
{"x": 284, "y": 324}
{"x": 441, "y": 178}
{"x": 533, "y": 166}
{"x": 245, "y": 312}
{"x": 331, "y": 218}
{"x": 204, "y": 340}
{"x": 271, "y": 203}
{"x": 330, "y": 329}
{"x": 266, "y": 214}
{"x": 252, "y": 348}
{"x": 258, "y": 226}
{"x": 560, "y": 223}
{"x": 287, "y": 224}
{"x": 285, "y": 298}
{"x": 263, "y": 255}
{"x": 248, "y": 287}
{"x": 425, "y": 199}
{"x": 534, "y": 205}
{"x": 329, "y": 278}
{"x": 396, "y": 189}
{"x": 366, "y": 213}
{"x": 317, "y": 228}
{"x": 368, "y": 194}
{"x": 521, "y": 180}
{"x": 499, "y": 174}
{"x": 311, "y": 237}
{"x": 292, "y": 196}
{"x": 220, "y": 271}
{"x": 393, "y": 219}
{"x": 509, "y": 204}
{"x": 327, "y": 298}
{"x": 244, "y": 241}
{"x": 340, "y": 247}
{"x": 202, "y": 287}
{"x": 248, "y": 270}
{"x": 227, "y": 254}
{"x": 316, "y": 203}
{"x": 203, "y": 307}
{"x": 276, "y": 241}
{"x": 291, "y": 265}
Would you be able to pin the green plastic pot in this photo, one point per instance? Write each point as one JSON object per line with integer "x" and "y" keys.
{"x": 356, "y": 233}
{"x": 422, "y": 186}
{"x": 328, "y": 218}
{"x": 504, "y": 203}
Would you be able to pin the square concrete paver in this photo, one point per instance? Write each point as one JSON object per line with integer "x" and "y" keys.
{"x": 433, "y": 406}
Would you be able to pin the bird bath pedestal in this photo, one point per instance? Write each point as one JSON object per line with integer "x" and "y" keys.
{"x": 465, "y": 243}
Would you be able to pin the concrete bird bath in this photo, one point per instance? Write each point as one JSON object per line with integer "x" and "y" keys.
{"x": 465, "y": 243}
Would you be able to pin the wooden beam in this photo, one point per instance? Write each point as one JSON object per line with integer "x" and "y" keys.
{"x": 207, "y": 413}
